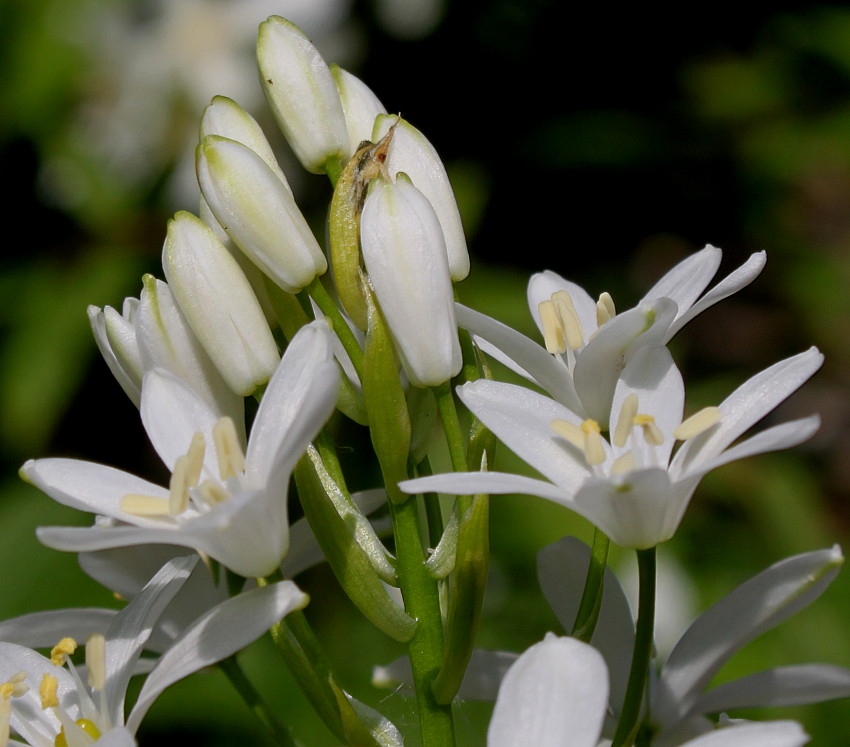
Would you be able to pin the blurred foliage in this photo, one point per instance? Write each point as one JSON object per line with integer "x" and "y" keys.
{"x": 643, "y": 146}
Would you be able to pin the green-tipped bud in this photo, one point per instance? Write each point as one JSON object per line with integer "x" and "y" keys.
{"x": 224, "y": 117}
{"x": 258, "y": 212}
{"x": 405, "y": 257}
{"x": 359, "y": 104}
{"x": 302, "y": 94}
{"x": 415, "y": 156}
{"x": 219, "y": 304}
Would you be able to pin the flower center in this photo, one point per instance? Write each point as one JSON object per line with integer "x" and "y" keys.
{"x": 562, "y": 328}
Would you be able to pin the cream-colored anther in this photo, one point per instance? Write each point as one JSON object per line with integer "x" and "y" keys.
{"x": 195, "y": 459}
{"x": 553, "y": 330}
{"x": 15, "y": 686}
{"x": 96, "y": 661}
{"x": 145, "y": 505}
{"x": 178, "y": 487}
{"x": 624, "y": 464}
{"x": 697, "y": 423}
{"x": 569, "y": 319}
{"x": 626, "y": 420}
{"x": 651, "y": 432}
{"x": 569, "y": 431}
{"x": 213, "y": 493}
{"x": 62, "y": 650}
{"x": 594, "y": 451}
{"x": 47, "y": 691}
{"x": 605, "y": 308}
{"x": 231, "y": 460}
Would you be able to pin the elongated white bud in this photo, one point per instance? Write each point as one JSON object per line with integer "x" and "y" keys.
{"x": 405, "y": 257}
{"x": 359, "y": 104}
{"x": 302, "y": 94}
{"x": 415, "y": 156}
{"x": 219, "y": 304}
{"x": 115, "y": 335}
{"x": 258, "y": 212}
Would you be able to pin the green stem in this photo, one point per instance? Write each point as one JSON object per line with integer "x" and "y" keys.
{"x": 641, "y": 655}
{"x": 451, "y": 426}
{"x": 255, "y": 702}
{"x": 318, "y": 293}
{"x": 421, "y": 601}
{"x": 591, "y": 598}
{"x": 433, "y": 512}
{"x": 333, "y": 168}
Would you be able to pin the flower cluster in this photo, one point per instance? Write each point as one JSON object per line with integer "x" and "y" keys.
{"x": 367, "y": 327}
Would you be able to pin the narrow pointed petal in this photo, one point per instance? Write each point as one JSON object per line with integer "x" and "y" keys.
{"x": 43, "y": 629}
{"x": 90, "y": 487}
{"x": 546, "y": 370}
{"x": 767, "y": 734}
{"x": 561, "y": 571}
{"x": 490, "y": 483}
{"x": 128, "y": 376}
{"x": 117, "y": 738}
{"x": 218, "y": 633}
{"x": 558, "y": 687}
{"x": 754, "y": 607}
{"x": 132, "y": 627}
{"x": 542, "y": 285}
{"x": 688, "y": 279}
{"x": 732, "y": 283}
{"x": 785, "y": 686}
{"x": 746, "y": 406}
{"x": 522, "y": 420}
{"x": 90, "y": 539}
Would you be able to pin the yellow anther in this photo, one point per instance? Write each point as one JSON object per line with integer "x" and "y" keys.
{"x": 14, "y": 687}
{"x": 144, "y": 505}
{"x": 651, "y": 432}
{"x": 47, "y": 691}
{"x": 213, "y": 493}
{"x": 85, "y": 724}
{"x": 625, "y": 421}
{"x": 231, "y": 460}
{"x": 178, "y": 487}
{"x": 62, "y": 651}
{"x": 553, "y": 329}
{"x": 569, "y": 319}
{"x": 568, "y": 431}
{"x": 96, "y": 661}
{"x": 623, "y": 464}
{"x": 697, "y": 423}
{"x": 594, "y": 451}
{"x": 605, "y": 309}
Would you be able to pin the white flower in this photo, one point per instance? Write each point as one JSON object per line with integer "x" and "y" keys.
{"x": 360, "y": 105}
{"x": 229, "y": 506}
{"x": 587, "y": 343}
{"x": 635, "y": 488}
{"x": 405, "y": 257}
{"x": 41, "y": 699}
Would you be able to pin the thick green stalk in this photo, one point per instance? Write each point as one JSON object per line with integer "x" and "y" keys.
{"x": 639, "y": 674}
{"x": 255, "y": 702}
{"x": 591, "y": 598}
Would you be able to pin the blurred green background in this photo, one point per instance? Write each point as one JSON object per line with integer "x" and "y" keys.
{"x": 602, "y": 145}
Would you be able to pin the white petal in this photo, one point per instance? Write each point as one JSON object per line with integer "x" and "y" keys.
{"x": 561, "y": 571}
{"x": 89, "y": 539}
{"x": 557, "y": 689}
{"x": 490, "y": 483}
{"x": 117, "y": 738}
{"x": 360, "y": 105}
{"x": 130, "y": 380}
{"x": 215, "y": 635}
{"x": 90, "y": 487}
{"x": 748, "y": 404}
{"x": 44, "y": 629}
{"x": 544, "y": 369}
{"x": 785, "y": 686}
{"x": 754, "y": 607}
{"x": 769, "y": 734}
{"x": 522, "y": 420}
{"x": 684, "y": 283}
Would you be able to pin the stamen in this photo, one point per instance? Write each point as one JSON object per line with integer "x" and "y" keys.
{"x": 625, "y": 421}
{"x": 15, "y": 686}
{"x": 144, "y": 505}
{"x": 213, "y": 493}
{"x": 594, "y": 452}
{"x": 623, "y": 464}
{"x": 195, "y": 459}
{"x": 569, "y": 319}
{"x": 553, "y": 329}
{"x": 5, "y": 718}
{"x": 231, "y": 460}
{"x": 651, "y": 432}
{"x": 569, "y": 431}
{"x": 605, "y": 309}
{"x": 697, "y": 423}
{"x": 62, "y": 650}
{"x": 47, "y": 692}
{"x": 96, "y": 661}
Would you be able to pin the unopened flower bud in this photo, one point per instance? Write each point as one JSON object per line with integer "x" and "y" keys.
{"x": 405, "y": 257}
{"x": 415, "y": 156}
{"x": 219, "y": 304}
{"x": 302, "y": 94}
{"x": 258, "y": 212}
{"x": 115, "y": 335}
{"x": 359, "y": 104}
